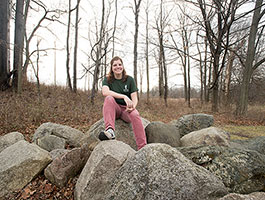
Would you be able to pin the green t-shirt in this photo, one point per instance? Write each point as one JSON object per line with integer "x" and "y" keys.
{"x": 121, "y": 87}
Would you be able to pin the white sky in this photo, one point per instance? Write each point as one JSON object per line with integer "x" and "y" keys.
{"x": 90, "y": 13}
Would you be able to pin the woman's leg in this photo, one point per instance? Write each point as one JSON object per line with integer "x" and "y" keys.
{"x": 137, "y": 126}
{"x": 111, "y": 111}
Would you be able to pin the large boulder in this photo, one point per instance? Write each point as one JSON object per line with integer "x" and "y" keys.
{"x": 51, "y": 142}
{"x": 256, "y": 144}
{"x": 243, "y": 171}
{"x": 206, "y": 136}
{"x": 96, "y": 177}
{"x": 9, "y": 139}
{"x": 159, "y": 171}
{"x": 71, "y": 135}
{"x": 19, "y": 164}
{"x": 159, "y": 132}
{"x": 192, "y": 122}
{"x": 67, "y": 166}
{"x": 252, "y": 196}
{"x": 58, "y": 152}
{"x": 123, "y": 132}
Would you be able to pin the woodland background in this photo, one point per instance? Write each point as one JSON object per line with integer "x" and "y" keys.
{"x": 219, "y": 43}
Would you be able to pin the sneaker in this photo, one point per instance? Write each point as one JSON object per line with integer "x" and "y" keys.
{"x": 107, "y": 135}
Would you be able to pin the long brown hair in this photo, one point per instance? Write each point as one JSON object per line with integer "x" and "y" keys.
{"x": 110, "y": 76}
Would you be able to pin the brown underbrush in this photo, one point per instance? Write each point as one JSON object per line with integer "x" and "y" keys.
{"x": 25, "y": 112}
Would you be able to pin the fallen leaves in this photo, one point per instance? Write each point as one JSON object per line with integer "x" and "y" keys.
{"x": 40, "y": 188}
{"x": 27, "y": 192}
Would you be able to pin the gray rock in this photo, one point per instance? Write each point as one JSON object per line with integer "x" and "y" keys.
{"x": 51, "y": 142}
{"x": 243, "y": 171}
{"x": 105, "y": 160}
{"x": 71, "y": 135}
{"x": 158, "y": 171}
{"x": 158, "y": 132}
{"x": 192, "y": 122}
{"x": 123, "y": 132}
{"x": 206, "y": 136}
{"x": 58, "y": 152}
{"x": 9, "y": 139}
{"x": 67, "y": 166}
{"x": 19, "y": 164}
{"x": 256, "y": 144}
{"x": 252, "y": 196}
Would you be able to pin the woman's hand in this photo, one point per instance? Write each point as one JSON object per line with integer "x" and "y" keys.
{"x": 129, "y": 103}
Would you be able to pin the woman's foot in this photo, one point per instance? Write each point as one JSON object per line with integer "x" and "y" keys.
{"x": 107, "y": 135}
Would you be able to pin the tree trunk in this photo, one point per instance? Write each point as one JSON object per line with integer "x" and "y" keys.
{"x": 160, "y": 64}
{"x": 188, "y": 69}
{"x": 27, "y": 41}
{"x": 185, "y": 67}
{"x": 68, "y": 48}
{"x": 114, "y": 28}
{"x": 18, "y": 45}
{"x": 208, "y": 94}
{"x": 241, "y": 109}
{"x": 147, "y": 55}
{"x": 200, "y": 67}
{"x": 205, "y": 72}
{"x": 215, "y": 86}
{"x": 4, "y": 22}
{"x": 136, "y": 16}
{"x": 75, "y": 48}
{"x": 54, "y": 63}
{"x": 98, "y": 55}
{"x": 227, "y": 80}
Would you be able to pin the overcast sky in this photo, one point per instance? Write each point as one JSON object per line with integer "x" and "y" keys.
{"x": 90, "y": 14}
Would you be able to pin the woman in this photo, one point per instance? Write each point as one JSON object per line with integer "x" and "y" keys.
{"x": 120, "y": 93}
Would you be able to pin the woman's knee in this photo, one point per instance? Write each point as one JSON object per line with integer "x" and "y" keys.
{"x": 109, "y": 99}
{"x": 134, "y": 114}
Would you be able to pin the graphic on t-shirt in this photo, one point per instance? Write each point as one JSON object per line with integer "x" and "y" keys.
{"x": 125, "y": 89}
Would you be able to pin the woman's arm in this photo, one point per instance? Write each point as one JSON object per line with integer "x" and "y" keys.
{"x": 107, "y": 92}
{"x": 134, "y": 99}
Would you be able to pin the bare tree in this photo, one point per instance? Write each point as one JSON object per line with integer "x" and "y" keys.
{"x": 4, "y": 22}
{"x": 162, "y": 58}
{"x": 37, "y": 68}
{"x": 18, "y": 45}
{"x": 182, "y": 50}
{"x": 136, "y": 17}
{"x": 69, "y": 83}
{"x": 228, "y": 71}
{"x": 218, "y": 35}
{"x": 75, "y": 47}
{"x": 147, "y": 51}
{"x": 200, "y": 65}
{"x": 97, "y": 49}
{"x": 162, "y": 21}
{"x": 249, "y": 64}
{"x": 114, "y": 27}
{"x": 32, "y": 34}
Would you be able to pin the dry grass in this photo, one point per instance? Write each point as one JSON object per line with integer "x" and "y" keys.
{"x": 27, "y": 111}
{"x": 244, "y": 132}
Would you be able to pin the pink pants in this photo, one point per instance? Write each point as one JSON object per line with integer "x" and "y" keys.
{"x": 112, "y": 111}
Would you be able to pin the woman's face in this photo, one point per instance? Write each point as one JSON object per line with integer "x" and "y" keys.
{"x": 117, "y": 68}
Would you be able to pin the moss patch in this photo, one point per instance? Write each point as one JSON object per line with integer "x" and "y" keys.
{"x": 244, "y": 132}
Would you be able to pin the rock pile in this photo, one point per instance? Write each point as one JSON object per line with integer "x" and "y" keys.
{"x": 185, "y": 159}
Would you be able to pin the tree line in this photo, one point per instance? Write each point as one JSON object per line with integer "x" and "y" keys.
{"x": 222, "y": 40}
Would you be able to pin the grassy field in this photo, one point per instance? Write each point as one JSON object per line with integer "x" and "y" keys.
{"x": 27, "y": 111}
{"x": 244, "y": 132}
